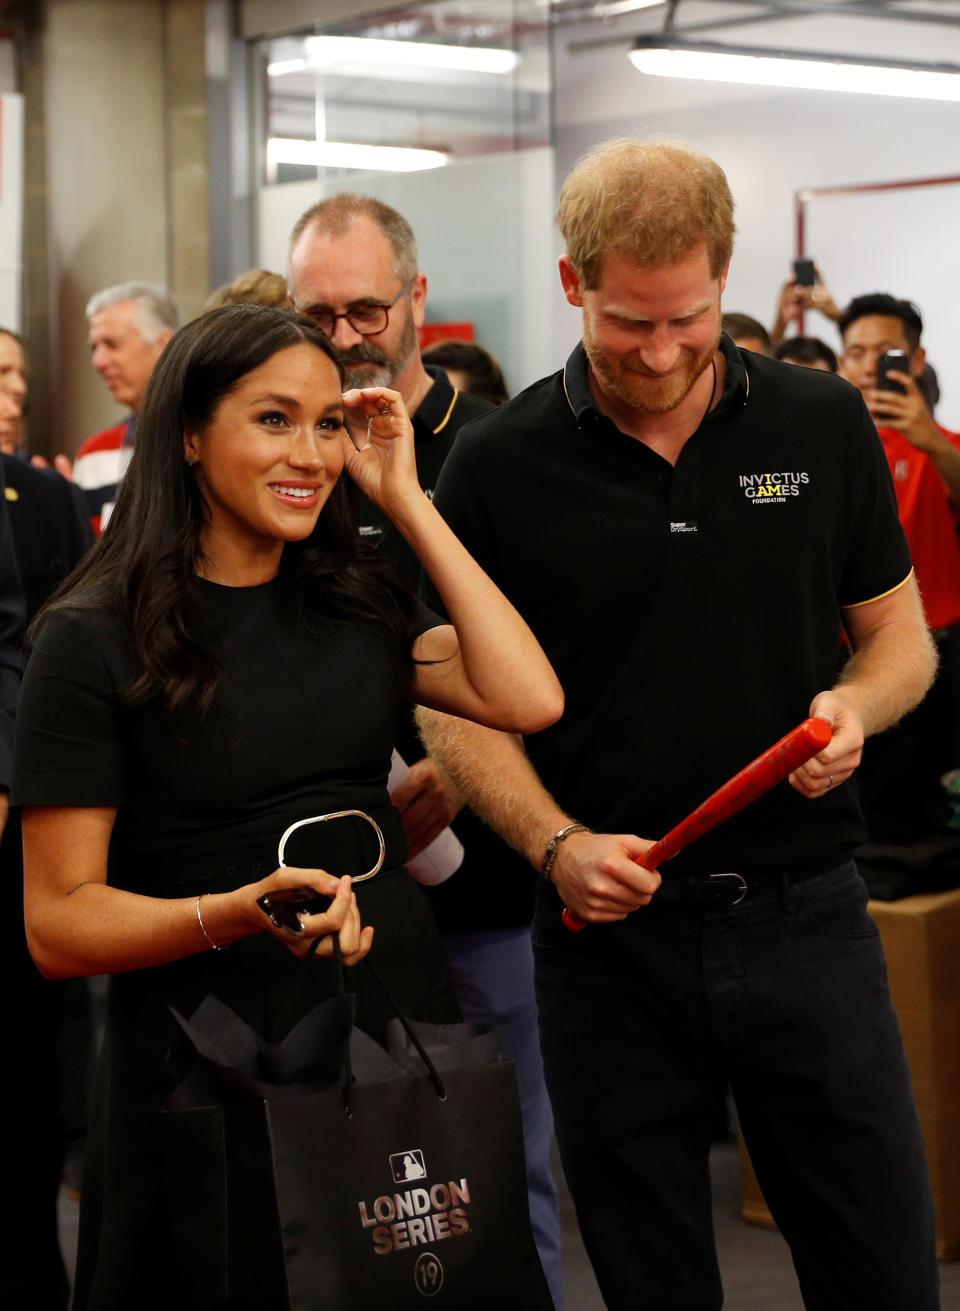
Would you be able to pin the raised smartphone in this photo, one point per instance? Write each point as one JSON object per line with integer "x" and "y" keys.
{"x": 897, "y": 362}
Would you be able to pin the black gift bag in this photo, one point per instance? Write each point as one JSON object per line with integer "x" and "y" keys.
{"x": 401, "y": 1185}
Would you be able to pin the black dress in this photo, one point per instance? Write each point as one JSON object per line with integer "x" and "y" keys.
{"x": 302, "y": 725}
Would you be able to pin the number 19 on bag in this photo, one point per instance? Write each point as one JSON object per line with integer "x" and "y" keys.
{"x": 428, "y": 1274}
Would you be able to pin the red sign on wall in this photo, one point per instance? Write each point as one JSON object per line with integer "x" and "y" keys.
{"x": 431, "y": 333}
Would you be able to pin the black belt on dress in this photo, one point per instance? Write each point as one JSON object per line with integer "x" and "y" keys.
{"x": 345, "y": 846}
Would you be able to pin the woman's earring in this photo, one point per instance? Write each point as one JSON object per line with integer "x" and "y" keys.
{"x": 190, "y": 461}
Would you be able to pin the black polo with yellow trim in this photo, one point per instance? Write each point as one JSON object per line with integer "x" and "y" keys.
{"x": 691, "y": 612}
{"x": 437, "y": 420}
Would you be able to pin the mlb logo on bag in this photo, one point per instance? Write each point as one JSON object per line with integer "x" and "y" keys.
{"x": 408, "y": 1165}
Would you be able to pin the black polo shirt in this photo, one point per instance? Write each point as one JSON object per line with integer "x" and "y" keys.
{"x": 691, "y": 612}
{"x": 438, "y": 418}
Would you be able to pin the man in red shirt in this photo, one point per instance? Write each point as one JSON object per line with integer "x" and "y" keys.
{"x": 924, "y": 458}
{"x": 899, "y": 779}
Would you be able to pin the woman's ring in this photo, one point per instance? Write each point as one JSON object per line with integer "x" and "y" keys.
{"x": 385, "y": 409}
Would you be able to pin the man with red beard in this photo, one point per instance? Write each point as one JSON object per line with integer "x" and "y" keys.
{"x": 683, "y": 526}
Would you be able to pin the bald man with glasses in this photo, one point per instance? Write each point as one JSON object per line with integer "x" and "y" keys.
{"x": 367, "y": 318}
{"x": 353, "y": 271}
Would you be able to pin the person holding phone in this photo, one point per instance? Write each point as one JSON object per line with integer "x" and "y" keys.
{"x": 924, "y": 458}
{"x": 803, "y": 290}
{"x": 228, "y": 660}
{"x": 883, "y": 357}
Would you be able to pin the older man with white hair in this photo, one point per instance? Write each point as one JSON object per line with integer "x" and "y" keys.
{"x": 130, "y": 324}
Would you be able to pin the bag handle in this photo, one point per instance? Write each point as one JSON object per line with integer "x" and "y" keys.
{"x": 341, "y": 991}
{"x": 432, "y": 1072}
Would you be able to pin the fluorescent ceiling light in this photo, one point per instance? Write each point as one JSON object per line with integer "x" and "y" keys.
{"x": 614, "y": 8}
{"x": 284, "y": 66}
{"x": 708, "y": 61}
{"x": 343, "y": 154}
{"x": 331, "y": 53}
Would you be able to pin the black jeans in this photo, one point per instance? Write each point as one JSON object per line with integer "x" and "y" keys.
{"x": 785, "y": 996}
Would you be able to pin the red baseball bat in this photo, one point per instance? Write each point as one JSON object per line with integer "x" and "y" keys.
{"x": 769, "y": 769}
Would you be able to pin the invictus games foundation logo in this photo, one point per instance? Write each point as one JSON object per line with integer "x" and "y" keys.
{"x": 772, "y": 488}
{"x": 413, "y": 1217}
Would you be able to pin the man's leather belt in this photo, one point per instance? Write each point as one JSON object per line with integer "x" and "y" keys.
{"x": 727, "y": 889}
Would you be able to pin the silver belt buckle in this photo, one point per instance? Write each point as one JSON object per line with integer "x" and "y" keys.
{"x": 742, "y": 882}
{"x": 342, "y": 814}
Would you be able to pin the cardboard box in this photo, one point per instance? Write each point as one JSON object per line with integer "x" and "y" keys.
{"x": 921, "y": 940}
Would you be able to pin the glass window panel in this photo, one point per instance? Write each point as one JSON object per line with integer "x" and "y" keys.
{"x": 366, "y": 83}
{"x": 483, "y": 218}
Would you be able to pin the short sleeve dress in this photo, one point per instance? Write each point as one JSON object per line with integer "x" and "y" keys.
{"x": 302, "y": 725}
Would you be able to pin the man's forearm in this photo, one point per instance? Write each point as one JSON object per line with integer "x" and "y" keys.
{"x": 894, "y": 660}
{"x": 496, "y": 777}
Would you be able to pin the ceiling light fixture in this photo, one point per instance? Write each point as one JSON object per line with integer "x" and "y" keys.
{"x": 337, "y": 54}
{"x": 284, "y": 66}
{"x": 344, "y": 154}
{"x": 709, "y": 61}
{"x": 614, "y": 8}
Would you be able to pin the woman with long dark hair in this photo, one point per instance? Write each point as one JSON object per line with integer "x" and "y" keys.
{"x": 227, "y": 661}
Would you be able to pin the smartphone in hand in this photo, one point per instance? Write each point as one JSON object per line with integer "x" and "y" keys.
{"x": 896, "y": 362}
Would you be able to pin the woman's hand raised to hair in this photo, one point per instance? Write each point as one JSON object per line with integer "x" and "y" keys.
{"x": 378, "y": 448}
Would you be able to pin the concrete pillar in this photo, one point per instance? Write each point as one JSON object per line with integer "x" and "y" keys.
{"x": 107, "y": 195}
{"x": 186, "y": 108}
{"x": 35, "y": 317}
{"x": 117, "y": 184}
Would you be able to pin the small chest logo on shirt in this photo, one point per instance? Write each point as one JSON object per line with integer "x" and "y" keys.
{"x": 900, "y": 470}
{"x": 772, "y": 488}
{"x": 683, "y": 526}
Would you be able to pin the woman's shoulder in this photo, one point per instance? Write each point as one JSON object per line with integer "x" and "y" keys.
{"x": 83, "y": 633}
{"x": 78, "y": 617}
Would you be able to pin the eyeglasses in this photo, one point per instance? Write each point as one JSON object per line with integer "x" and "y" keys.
{"x": 368, "y": 318}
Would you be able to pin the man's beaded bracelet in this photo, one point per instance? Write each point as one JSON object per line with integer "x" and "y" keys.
{"x": 550, "y": 855}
